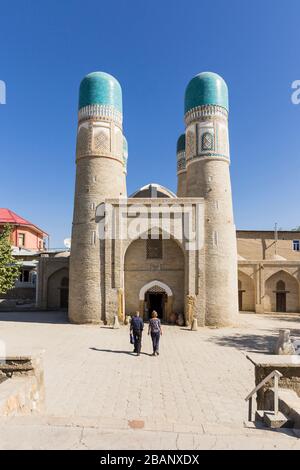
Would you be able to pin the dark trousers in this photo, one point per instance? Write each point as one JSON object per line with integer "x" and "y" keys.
{"x": 137, "y": 337}
{"x": 155, "y": 341}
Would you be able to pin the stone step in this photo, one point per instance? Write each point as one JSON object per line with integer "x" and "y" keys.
{"x": 269, "y": 419}
{"x": 275, "y": 421}
{"x": 289, "y": 404}
{"x": 289, "y": 407}
{"x": 43, "y": 437}
{"x": 259, "y": 416}
{"x": 102, "y": 424}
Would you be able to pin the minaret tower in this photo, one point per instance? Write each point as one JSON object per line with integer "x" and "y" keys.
{"x": 181, "y": 167}
{"x": 207, "y": 175}
{"x": 100, "y": 174}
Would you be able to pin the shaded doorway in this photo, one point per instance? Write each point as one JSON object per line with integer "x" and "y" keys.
{"x": 240, "y": 300}
{"x": 280, "y": 297}
{"x": 56, "y": 283}
{"x": 280, "y": 302}
{"x": 64, "y": 293}
{"x": 241, "y": 291}
{"x": 155, "y": 301}
{"x": 156, "y": 295}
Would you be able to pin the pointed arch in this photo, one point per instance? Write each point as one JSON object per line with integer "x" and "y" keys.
{"x": 152, "y": 284}
{"x": 58, "y": 289}
{"x": 166, "y": 235}
{"x": 167, "y": 272}
{"x": 284, "y": 273}
{"x": 281, "y": 292}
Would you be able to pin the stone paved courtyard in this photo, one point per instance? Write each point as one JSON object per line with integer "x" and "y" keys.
{"x": 98, "y": 392}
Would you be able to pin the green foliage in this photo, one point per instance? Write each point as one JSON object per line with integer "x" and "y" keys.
{"x": 9, "y": 267}
{"x": 297, "y": 229}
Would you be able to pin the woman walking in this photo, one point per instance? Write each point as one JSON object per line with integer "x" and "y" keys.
{"x": 156, "y": 332}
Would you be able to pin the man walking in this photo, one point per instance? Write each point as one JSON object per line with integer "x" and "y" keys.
{"x": 136, "y": 328}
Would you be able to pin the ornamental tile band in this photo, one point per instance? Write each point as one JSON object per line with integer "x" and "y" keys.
{"x": 100, "y": 112}
{"x": 202, "y": 156}
{"x": 204, "y": 112}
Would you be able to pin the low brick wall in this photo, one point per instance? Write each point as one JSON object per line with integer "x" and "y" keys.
{"x": 23, "y": 390}
{"x": 20, "y": 293}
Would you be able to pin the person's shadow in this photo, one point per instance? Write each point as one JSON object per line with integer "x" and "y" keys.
{"x": 130, "y": 353}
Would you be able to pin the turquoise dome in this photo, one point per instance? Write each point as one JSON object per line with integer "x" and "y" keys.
{"x": 206, "y": 88}
{"x": 100, "y": 88}
{"x": 181, "y": 143}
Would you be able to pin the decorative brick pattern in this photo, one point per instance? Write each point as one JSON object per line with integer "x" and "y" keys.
{"x": 101, "y": 142}
{"x": 190, "y": 144}
{"x": 82, "y": 141}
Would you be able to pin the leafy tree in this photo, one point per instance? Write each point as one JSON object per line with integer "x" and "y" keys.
{"x": 297, "y": 229}
{"x": 9, "y": 267}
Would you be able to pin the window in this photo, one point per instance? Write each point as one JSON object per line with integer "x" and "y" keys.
{"x": 215, "y": 238}
{"x": 33, "y": 277}
{"x": 296, "y": 245}
{"x": 207, "y": 141}
{"x": 24, "y": 275}
{"x": 154, "y": 248}
{"x": 21, "y": 239}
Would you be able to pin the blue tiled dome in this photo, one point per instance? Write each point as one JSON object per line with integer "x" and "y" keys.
{"x": 206, "y": 88}
{"x": 181, "y": 143}
{"x": 100, "y": 88}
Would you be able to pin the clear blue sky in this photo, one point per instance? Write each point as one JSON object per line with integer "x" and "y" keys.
{"x": 153, "y": 47}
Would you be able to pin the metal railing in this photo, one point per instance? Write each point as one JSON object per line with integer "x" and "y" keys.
{"x": 274, "y": 374}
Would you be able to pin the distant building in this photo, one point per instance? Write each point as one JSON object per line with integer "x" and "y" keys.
{"x": 25, "y": 235}
{"x": 268, "y": 270}
{"x": 28, "y": 241}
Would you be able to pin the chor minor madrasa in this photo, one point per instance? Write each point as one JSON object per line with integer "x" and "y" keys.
{"x": 178, "y": 254}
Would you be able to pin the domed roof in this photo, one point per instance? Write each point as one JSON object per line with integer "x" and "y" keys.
{"x": 153, "y": 190}
{"x": 206, "y": 88}
{"x": 181, "y": 143}
{"x": 100, "y": 88}
{"x": 276, "y": 257}
{"x": 62, "y": 254}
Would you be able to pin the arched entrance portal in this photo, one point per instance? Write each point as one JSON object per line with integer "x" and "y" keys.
{"x": 58, "y": 290}
{"x": 281, "y": 293}
{"x": 149, "y": 263}
{"x": 156, "y": 295}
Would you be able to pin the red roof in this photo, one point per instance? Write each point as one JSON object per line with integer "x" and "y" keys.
{"x": 9, "y": 217}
